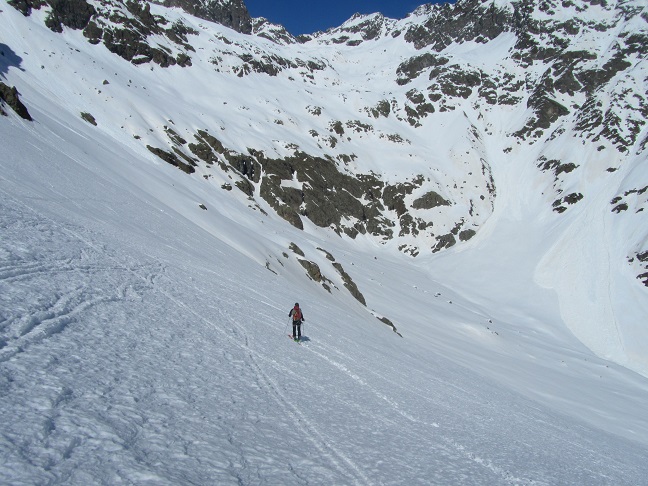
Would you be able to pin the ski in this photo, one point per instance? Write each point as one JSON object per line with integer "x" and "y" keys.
{"x": 292, "y": 337}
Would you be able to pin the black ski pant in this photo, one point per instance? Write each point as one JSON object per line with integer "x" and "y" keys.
{"x": 297, "y": 329}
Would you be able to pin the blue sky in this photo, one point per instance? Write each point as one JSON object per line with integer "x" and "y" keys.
{"x": 308, "y": 16}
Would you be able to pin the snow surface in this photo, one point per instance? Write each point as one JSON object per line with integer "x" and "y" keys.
{"x": 143, "y": 339}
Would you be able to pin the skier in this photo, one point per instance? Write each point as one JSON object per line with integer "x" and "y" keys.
{"x": 297, "y": 318}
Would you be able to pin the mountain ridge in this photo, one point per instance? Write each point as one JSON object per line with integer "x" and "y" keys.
{"x": 361, "y": 138}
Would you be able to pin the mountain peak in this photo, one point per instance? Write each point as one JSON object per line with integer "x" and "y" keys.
{"x": 230, "y": 13}
{"x": 358, "y": 29}
{"x": 278, "y": 34}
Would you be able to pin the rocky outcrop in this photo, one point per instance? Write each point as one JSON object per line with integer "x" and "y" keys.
{"x": 230, "y": 13}
{"x": 124, "y": 27}
{"x": 10, "y": 96}
{"x": 430, "y": 200}
{"x": 471, "y": 20}
{"x": 350, "y": 284}
{"x": 74, "y": 14}
{"x": 306, "y": 187}
{"x": 355, "y": 31}
{"x": 642, "y": 258}
{"x": 278, "y": 34}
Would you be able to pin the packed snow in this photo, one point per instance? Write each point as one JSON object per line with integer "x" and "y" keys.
{"x": 143, "y": 338}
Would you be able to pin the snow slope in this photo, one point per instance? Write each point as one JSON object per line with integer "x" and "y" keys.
{"x": 143, "y": 338}
{"x": 140, "y": 348}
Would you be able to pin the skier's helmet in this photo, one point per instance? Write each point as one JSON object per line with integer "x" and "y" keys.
{"x": 296, "y": 304}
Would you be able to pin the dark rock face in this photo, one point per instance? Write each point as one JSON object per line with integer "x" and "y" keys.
{"x": 25, "y": 6}
{"x": 74, "y": 14}
{"x": 174, "y": 158}
{"x": 70, "y": 13}
{"x": 445, "y": 241}
{"x": 273, "y": 32}
{"x": 573, "y": 198}
{"x": 77, "y": 13}
{"x": 467, "y": 234}
{"x": 10, "y": 96}
{"x": 127, "y": 31}
{"x": 89, "y": 118}
{"x": 546, "y": 111}
{"x": 642, "y": 257}
{"x": 233, "y": 14}
{"x": 357, "y": 30}
{"x": 569, "y": 72}
{"x": 327, "y": 196}
{"x": 312, "y": 269}
{"x": 350, "y": 284}
{"x": 429, "y": 201}
{"x": 123, "y": 27}
{"x": 461, "y": 22}
{"x": 414, "y": 66}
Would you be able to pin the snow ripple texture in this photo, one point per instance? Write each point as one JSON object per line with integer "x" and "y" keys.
{"x": 120, "y": 368}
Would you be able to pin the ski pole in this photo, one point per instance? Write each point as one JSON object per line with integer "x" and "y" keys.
{"x": 286, "y": 328}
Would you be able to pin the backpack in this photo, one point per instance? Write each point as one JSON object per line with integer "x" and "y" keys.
{"x": 297, "y": 314}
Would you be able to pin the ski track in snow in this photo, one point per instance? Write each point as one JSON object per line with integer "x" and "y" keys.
{"x": 39, "y": 324}
{"x": 154, "y": 397}
{"x": 20, "y": 333}
{"x": 52, "y": 314}
{"x": 338, "y": 460}
{"x": 414, "y": 422}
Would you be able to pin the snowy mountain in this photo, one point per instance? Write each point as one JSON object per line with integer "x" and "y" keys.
{"x": 456, "y": 198}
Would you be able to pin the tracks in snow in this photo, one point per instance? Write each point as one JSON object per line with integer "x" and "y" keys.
{"x": 416, "y": 427}
{"x": 38, "y": 325}
{"x": 51, "y": 276}
{"x": 59, "y": 277}
{"x": 238, "y": 338}
{"x": 345, "y": 466}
